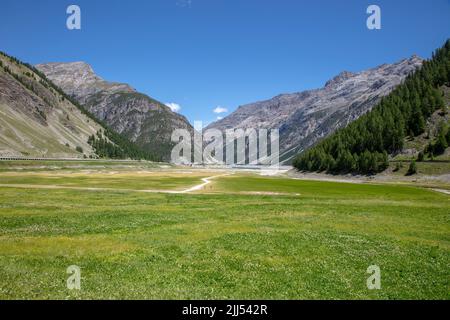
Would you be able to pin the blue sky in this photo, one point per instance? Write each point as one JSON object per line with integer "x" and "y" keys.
{"x": 204, "y": 54}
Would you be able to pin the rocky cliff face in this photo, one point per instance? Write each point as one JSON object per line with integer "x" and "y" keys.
{"x": 35, "y": 120}
{"x": 140, "y": 118}
{"x": 306, "y": 117}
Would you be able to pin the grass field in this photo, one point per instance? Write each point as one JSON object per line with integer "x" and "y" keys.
{"x": 77, "y": 165}
{"x": 113, "y": 180}
{"x": 423, "y": 168}
{"x": 242, "y": 236}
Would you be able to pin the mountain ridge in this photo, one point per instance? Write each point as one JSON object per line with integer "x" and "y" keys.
{"x": 407, "y": 114}
{"x": 305, "y": 117}
{"x": 28, "y": 99}
{"x": 36, "y": 120}
{"x": 140, "y": 118}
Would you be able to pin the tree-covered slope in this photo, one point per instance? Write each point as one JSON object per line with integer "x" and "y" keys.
{"x": 39, "y": 119}
{"x": 364, "y": 145}
{"x": 306, "y": 117}
{"x": 35, "y": 120}
{"x": 139, "y": 118}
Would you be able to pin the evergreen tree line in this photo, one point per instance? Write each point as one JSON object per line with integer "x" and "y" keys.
{"x": 364, "y": 145}
{"x": 105, "y": 149}
{"x": 440, "y": 143}
{"x": 118, "y": 147}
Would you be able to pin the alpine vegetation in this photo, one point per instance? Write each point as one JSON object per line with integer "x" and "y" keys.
{"x": 365, "y": 145}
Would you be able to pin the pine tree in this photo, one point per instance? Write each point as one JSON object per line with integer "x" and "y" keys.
{"x": 421, "y": 156}
{"x": 364, "y": 145}
{"x": 412, "y": 168}
{"x": 440, "y": 145}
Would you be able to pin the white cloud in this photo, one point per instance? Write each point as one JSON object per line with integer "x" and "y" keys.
{"x": 184, "y": 3}
{"x": 219, "y": 118}
{"x": 175, "y": 107}
{"x": 220, "y": 110}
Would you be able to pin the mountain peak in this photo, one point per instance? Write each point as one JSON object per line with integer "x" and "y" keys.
{"x": 341, "y": 77}
{"x": 42, "y": 124}
{"x": 73, "y": 66}
{"x": 70, "y": 70}
{"x": 79, "y": 79}
{"x": 80, "y": 66}
{"x": 306, "y": 117}
{"x": 140, "y": 118}
{"x": 414, "y": 59}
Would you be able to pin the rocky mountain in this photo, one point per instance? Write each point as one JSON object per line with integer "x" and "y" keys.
{"x": 36, "y": 120}
{"x": 138, "y": 117}
{"x": 306, "y": 117}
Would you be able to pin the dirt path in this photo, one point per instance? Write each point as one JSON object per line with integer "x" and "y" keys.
{"x": 200, "y": 186}
{"x": 442, "y": 191}
{"x": 206, "y": 181}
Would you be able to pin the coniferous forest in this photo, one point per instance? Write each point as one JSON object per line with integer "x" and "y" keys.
{"x": 365, "y": 145}
{"x": 122, "y": 148}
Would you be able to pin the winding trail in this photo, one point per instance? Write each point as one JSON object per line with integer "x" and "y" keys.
{"x": 200, "y": 186}
{"x": 206, "y": 181}
{"x": 442, "y": 191}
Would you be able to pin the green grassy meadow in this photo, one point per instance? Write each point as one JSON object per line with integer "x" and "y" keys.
{"x": 295, "y": 240}
{"x": 127, "y": 181}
